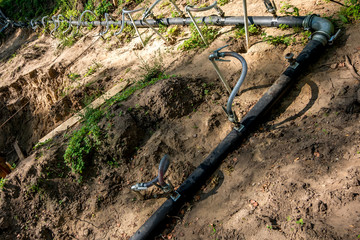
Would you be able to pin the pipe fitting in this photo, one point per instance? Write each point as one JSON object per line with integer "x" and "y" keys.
{"x": 323, "y": 28}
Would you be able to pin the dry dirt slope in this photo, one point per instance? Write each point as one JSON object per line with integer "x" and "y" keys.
{"x": 295, "y": 178}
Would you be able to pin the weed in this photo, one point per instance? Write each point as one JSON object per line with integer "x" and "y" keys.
{"x": 2, "y": 183}
{"x": 195, "y": 41}
{"x": 276, "y": 40}
{"x": 288, "y": 218}
{"x": 74, "y": 76}
{"x": 289, "y": 9}
{"x": 305, "y": 36}
{"x": 92, "y": 69}
{"x": 137, "y": 86}
{"x": 162, "y": 28}
{"x": 113, "y": 163}
{"x": 164, "y": 4}
{"x": 34, "y": 188}
{"x": 213, "y": 226}
{"x": 127, "y": 33}
{"x": 300, "y": 222}
{"x": 253, "y": 30}
{"x": 103, "y": 8}
{"x": 84, "y": 140}
{"x": 283, "y": 26}
{"x": 12, "y": 57}
{"x": 223, "y": 2}
{"x": 40, "y": 144}
{"x": 350, "y": 12}
{"x": 172, "y": 33}
{"x": 269, "y": 227}
{"x": 175, "y": 14}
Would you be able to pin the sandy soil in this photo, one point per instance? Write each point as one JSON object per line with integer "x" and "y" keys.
{"x": 296, "y": 177}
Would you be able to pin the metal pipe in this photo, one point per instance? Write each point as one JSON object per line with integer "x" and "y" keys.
{"x": 246, "y": 25}
{"x": 264, "y": 21}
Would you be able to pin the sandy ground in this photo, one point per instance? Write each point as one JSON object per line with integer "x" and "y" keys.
{"x": 296, "y": 177}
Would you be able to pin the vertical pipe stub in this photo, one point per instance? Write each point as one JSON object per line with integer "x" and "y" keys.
{"x": 290, "y": 58}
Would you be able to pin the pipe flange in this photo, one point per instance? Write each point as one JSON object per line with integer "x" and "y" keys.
{"x": 307, "y": 21}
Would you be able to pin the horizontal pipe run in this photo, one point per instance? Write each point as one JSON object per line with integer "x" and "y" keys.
{"x": 194, "y": 182}
{"x": 212, "y": 20}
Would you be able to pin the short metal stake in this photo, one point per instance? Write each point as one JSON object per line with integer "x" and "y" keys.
{"x": 221, "y": 76}
{"x": 189, "y": 9}
{"x": 136, "y": 29}
{"x": 246, "y": 25}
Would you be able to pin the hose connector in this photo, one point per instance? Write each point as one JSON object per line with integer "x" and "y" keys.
{"x": 216, "y": 56}
{"x": 157, "y": 181}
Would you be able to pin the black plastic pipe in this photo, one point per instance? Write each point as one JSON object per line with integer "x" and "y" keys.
{"x": 212, "y": 20}
{"x": 194, "y": 182}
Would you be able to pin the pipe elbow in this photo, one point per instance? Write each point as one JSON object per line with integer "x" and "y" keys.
{"x": 323, "y": 28}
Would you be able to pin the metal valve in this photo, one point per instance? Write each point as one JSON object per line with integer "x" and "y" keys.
{"x": 291, "y": 60}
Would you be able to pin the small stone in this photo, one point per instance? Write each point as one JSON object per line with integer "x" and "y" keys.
{"x": 215, "y": 96}
{"x": 333, "y": 66}
{"x": 86, "y": 232}
{"x": 358, "y": 95}
{"x": 195, "y": 135}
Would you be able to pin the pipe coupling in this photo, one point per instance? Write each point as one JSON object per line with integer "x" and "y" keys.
{"x": 323, "y": 28}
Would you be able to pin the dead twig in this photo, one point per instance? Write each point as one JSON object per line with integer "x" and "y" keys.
{"x": 337, "y": 2}
{"x": 14, "y": 115}
{"x": 351, "y": 68}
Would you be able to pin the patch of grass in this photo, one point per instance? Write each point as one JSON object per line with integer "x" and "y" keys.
{"x": 40, "y": 144}
{"x": 300, "y": 222}
{"x": 2, "y": 183}
{"x": 283, "y": 26}
{"x": 92, "y": 69}
{"x": 172, "y": 33}
{"x": 103, "y": 7}
{"x": 350, "y": 12}
{"x": 74, "y": 76}
{"x": 127, "y": 33}
{"x": 213, "y": 226}
{"x": 288, "y": 9}
{"x": 305, "y": 36}
{"x": 84, "y": 140}
{"x": 113, "y": 163}
{"x": 277, "y": 40}
{"x": 253, "y": 30}
{"x": 151, "y": 73}
{"x": 223, "y": 2}
{"x": 20, "y": 10}
{"x": 195, "y": 41}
